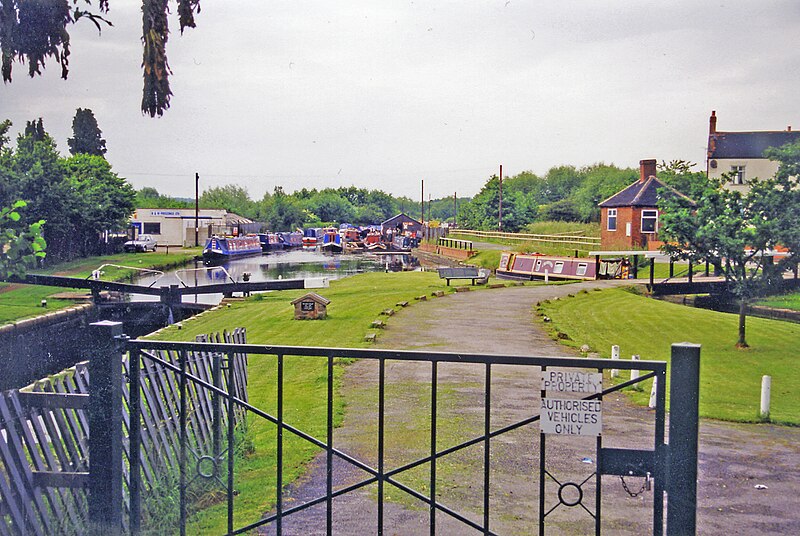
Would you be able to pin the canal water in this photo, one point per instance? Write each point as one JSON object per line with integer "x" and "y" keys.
{"x": 49, "y": 349}
{"x": 289, "y": 264}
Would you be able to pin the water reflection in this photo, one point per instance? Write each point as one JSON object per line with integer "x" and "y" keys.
{"x": 292, "y": 264}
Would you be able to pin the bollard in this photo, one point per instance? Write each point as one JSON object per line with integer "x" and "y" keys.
{"x": 546, "y": 277}
{"x": 652, "y": 403}
{"x": 635, "y": 373}
{"x": 615, "y": 355}
{"x": 766, "y": 389}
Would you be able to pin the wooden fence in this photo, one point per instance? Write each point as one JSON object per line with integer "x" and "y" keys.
{"x": 569, "y": 239}
{"x": 44, "y": 436}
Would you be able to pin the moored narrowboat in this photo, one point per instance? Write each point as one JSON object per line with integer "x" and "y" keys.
{"x": 331, "y": 240}
{"x": 220, "y": 248}
{"x": 528, "y": 266}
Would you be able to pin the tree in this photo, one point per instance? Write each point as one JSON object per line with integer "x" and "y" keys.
{"x": 786, "y": 195}
{"x": 33, "y": 31}
{"x": 285, "y": 213}
{"x": 148, "y": 197}
{"x": 331, "y": 207}
{"x": 600, "y": 182}
{"x": 731, "y": 229}
{"x": 86, "y": 134}
{"x": 20, "y": 245}
{"x": 103, "y": 202}
{"x": 232, "y": 198}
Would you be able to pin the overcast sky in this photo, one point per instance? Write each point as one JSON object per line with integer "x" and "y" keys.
{"x": 382, "y": 94}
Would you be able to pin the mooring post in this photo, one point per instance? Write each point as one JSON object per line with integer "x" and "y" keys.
{"x": 684, "y": 393}
{"x": 105, "y": 428}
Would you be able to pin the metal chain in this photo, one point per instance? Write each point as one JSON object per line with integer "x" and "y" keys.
{"x": 628, "y": 491}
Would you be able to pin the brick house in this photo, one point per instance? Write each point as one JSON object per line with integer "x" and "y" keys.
{"x": 741, "y": 154}
{"x": 629, "y": 218}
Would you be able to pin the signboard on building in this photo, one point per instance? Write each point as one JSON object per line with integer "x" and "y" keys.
{"x": 570, "y": 416}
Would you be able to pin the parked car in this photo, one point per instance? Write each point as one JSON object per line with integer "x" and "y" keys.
{"x": 143, "y": 243}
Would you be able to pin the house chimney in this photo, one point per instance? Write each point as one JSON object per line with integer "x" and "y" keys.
{"x": 647, "y": 169}
{"x": 712, "y": 123}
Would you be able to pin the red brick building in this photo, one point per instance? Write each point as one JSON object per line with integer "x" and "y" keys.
{"x": 629, "y": 218}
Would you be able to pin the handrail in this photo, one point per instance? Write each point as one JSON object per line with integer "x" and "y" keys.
{"x": 528, "y": 237}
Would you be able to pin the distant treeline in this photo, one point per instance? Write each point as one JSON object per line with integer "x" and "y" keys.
{"x": 307, "y": 208}
{"x": 565, "y": 193}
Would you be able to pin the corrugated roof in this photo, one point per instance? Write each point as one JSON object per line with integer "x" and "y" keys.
{"x": 748, "y": 144}
{"x": 640, "y": 194}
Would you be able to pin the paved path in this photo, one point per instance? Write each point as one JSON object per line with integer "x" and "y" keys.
{"x": 733, "y": 458}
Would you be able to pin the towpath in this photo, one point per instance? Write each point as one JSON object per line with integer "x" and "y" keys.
{"x": 734, "y": 458}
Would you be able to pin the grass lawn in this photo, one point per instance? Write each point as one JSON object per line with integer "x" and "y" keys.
{"x": 355, "y": 303}
{"x": 23, "y": 301}
{"x": 730, "y": 378}
{"x": 786, "y": 301}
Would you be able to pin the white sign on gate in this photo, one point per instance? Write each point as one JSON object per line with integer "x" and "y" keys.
{"x": 562, "y": 416}
{"x": 572, "y": 381}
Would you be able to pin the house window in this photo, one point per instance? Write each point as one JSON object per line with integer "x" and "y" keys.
{"x": 152, "y": 228}
{"x": 649, "y": 221}
{"x": 612, "y": 220}
{"x": 737, "y": 175}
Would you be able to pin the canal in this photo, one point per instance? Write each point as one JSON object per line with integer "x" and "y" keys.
{"x": 52, "y": 345}
{"x": 288, "y": 264}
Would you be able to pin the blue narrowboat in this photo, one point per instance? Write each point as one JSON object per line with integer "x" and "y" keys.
{"x": 220, "y": 248}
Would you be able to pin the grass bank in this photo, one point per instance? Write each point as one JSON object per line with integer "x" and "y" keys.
{"x": 785, "y": 301}
{"x": 24, "y": 301}
{"x": 730, "y": 379}
{"x": 355, "y": 303}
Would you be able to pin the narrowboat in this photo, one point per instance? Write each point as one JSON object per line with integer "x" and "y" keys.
{"x": 292, "y": 239}
{"x": 530, "y": 266}
{"x": 220, "y": 248}
{"x": 270, "y": 241}
{"x": 331, "y": 240}
{"x": 373, "y": 241}
{"x": 312, "y": 236}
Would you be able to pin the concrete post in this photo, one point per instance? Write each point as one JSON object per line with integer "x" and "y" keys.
{"x": 683, "y": 432}
{"x": 614, "y": 355}
{"x": 105, "y": 428}
{"x": 766, "y": 389}
{"x": 635, "y": 373}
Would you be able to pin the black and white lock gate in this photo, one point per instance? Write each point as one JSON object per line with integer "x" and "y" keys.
{"x": 571, "y": 404}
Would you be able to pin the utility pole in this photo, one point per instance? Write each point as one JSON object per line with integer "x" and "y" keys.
{"x": 196, "y": 209}
{"x": 500, "y": 212}
{"x": 422, "y": 202}
{"x": 455, "y": 210}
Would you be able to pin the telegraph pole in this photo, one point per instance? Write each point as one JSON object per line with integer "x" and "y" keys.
{"x": 455, "y": 210}
{"x": 500, "y": 211}
{"x": 422, "y": 202}
{"x": 196, "y": 209}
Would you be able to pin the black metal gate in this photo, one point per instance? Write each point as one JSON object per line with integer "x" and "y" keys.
{"x": 670, "y": 468}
